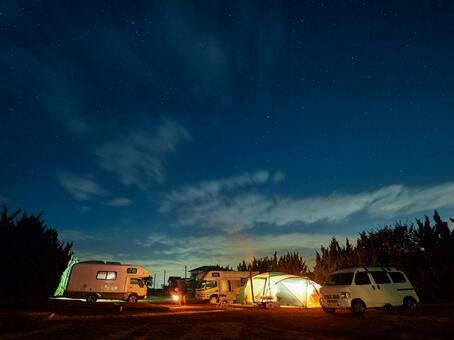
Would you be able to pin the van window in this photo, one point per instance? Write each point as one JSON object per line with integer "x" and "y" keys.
{"x": 214, "y": 274}
{"x": 397, "y": 277}
{"x": 106, "y": 275}
{"x": 361, "y": 278}
{"x": 131, "y": 270}
{"x": 341, "y": 279}
{"x": 380, "y": 277}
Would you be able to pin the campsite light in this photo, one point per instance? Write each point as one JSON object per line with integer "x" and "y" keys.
{"x": 345, "y": 295}
{"x": 175, "y": 297}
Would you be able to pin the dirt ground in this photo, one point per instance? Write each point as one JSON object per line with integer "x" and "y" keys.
{"x": 104, "y": 320}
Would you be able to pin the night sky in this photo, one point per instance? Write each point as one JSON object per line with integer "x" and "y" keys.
{"x": 177, "y": 133}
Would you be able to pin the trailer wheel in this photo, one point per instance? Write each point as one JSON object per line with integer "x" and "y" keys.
{"x": 409, "y": 303}
{"x": 214, "y": 299}
{"x": 91, "y": 298}
{"x": 133, "y": 298}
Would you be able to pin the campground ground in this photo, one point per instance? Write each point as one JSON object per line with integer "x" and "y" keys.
{"x": 79, "y": 320}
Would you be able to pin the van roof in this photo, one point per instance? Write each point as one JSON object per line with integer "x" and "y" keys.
{"x": 367, "y": 268}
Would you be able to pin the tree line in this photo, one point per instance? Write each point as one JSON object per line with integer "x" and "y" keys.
{"x": 424, "y": 251}
{"x": 291, "y": 263}
{"x": 33, "y": 258}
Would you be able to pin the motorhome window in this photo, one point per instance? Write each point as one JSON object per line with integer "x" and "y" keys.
{"x": 230, "y": 286}
{"x": 131, "y": 270}
{"x": 101, "y": 275}
{"x": 106, "y": 275}
{"x": 361, "y": 278}
{"x": 341, "y": 279}
{"x": 136, "y": 282}
{"x": 380, "y": 277}
{"x": 215, "y": 274}
{"x": 397, "y": 277}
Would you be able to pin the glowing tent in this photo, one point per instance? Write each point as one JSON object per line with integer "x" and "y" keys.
{"x": 285, "y": 289}
{"x": 65, "y": 276}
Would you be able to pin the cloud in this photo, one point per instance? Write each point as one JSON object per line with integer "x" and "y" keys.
{"x": 81, "y": 189}
{"x": 74, "y": 235}
{"x": 233, "y": 212}
{"x": 119, "y": 202}
{"x": 3, "y": 199}
{"x": 140, "y": 158}
{"x": 279, "y": 176}
{"x": 211, "y": 189}
{"x": 228, "y": 248}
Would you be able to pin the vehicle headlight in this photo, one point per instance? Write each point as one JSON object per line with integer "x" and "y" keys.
{"x": 345, "y": 295}
{"x": 175, "y": 297}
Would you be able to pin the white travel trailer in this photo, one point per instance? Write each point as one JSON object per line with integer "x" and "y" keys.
{"x": 92, "y": 280}
{"x": 219, "y": 285}
{"x": 367, "y": 287}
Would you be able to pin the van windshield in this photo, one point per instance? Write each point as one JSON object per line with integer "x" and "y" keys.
{"x": 340, "y": 279}
{"x": 204, "y": 284}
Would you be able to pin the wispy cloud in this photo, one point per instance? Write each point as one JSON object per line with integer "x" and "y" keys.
{"x": 81, "y": 189}
{"x": 232, "y": 212}
{"x": 119, "y": 202}
{"x": 211, "y": 189}
{"x": 139, "y": 158}
{"x": 74, "y": 235}
{"x": 230, "y": 249}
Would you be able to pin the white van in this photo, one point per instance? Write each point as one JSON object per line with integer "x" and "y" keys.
{"x": 219, "y": 285}
{"x": 91, "y": 280}
{"x": 367, "y": 287}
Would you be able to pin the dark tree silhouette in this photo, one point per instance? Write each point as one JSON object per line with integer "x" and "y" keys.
{"x": 33, "y": 256}
{"x": 425, "y": 253}
{"x": 291, "y": 263}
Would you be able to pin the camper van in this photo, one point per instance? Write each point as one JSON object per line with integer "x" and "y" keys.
{"x": 221, "y": 285}
{"x": 367, "y": 287}
{"x": 92, "y": 280}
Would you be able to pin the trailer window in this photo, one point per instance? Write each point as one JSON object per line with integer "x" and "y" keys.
{"x": 380, "y": 277}
{"x": 131, "y": 270}
{"x": 397, "y": 277}
{"x": 106, "y": 275}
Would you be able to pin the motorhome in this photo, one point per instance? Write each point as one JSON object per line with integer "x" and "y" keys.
{"x": 367, "y": 287}
{"x": 218, "y": 285}
{"x": 92, "y": 280}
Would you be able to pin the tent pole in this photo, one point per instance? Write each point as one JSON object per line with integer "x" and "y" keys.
{"x": 252, "y": 286}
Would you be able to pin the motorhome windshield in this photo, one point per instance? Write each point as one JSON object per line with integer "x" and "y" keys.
{"x": 204, "y": 284}
{"x": 341, "y": 279}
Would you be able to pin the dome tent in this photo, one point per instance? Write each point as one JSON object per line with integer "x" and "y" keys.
{"x": 285, "y": 289}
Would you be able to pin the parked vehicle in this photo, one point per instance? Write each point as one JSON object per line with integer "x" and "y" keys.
{"x": 367, "y": 287}
{"x": 220, "y": 285}
{"x": 92, "y": 280}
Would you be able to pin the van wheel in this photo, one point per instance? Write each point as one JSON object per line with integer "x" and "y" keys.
{"x": 91, "y": 298}
{"x": 328, "y": 310}
{"x": 358, "y": 307}
{"x": 409, "y": 303}
{"x": 213, "y": 299}
{"x": 133, "y": 298}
